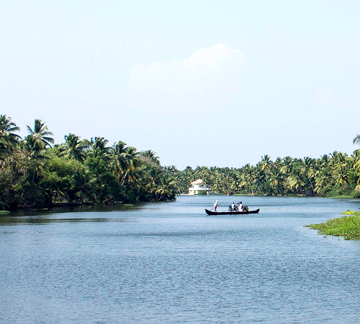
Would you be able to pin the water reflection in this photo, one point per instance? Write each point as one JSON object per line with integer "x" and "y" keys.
{"x": 69, "y": 209}
{"x": 76, "y": 214}
{"x": 43, "y": 221}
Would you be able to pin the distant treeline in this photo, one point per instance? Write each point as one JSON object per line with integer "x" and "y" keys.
{"x": 334, "y": 174}
{"x": 34, "y": 173}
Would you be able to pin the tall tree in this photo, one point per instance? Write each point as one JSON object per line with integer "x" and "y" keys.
{"x": 149, "y": 156}
{"x": 120, "y": 159}
{"x": 42, "y": 138}
{"x": 99, "y": 148}
{"x": 8, "y": 138}
{"x": 74, "y": 148}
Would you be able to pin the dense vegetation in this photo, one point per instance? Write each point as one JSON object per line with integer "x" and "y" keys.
{"x": 348, "y": 226}
{"x": 330, "y": 175}
{"x": 35, "y": 173}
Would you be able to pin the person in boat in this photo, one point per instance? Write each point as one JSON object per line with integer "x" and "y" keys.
{"x": 241, "y": 207}
{"x": 233, "y": 207}
{"x": 216, "y": 205}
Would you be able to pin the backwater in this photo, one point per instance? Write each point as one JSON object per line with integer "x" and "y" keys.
{"x": 170, "y": 263}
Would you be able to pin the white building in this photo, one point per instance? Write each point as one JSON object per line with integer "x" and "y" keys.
{"x": 198, "y": 187}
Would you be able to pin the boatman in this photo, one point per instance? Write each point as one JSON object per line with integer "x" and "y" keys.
{"x": 216, "y": 205}
{"x": 233, "y": 207}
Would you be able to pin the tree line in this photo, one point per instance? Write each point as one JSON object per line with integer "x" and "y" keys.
{"x": 36, "y": 173}
{"x": 334, "y": 174}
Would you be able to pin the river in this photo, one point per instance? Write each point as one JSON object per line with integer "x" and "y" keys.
{"x": 170, "y": 263}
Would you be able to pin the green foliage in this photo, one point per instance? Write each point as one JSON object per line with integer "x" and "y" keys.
{"x": 331, "y": 175}
{"x": 348, "y": 226}
{"x": 355, "y": 194}
{"x": 14, "y": 179}
{"x": 32, "y": 173}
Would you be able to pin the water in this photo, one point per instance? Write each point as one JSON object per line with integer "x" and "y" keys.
{"x": 169, "y": 263}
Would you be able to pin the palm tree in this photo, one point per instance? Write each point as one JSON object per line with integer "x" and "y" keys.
{"x": 8, "y": 139}
{"x": 132, "y": 171}
{"x": 84, "y": 185}
{"x": 99, "y": 148}
{"x": 277, "y": 180}
{"x": 74, "y": 148}
{"x": 35, "y": 144}
{"x": 40, "y": 134}
{"x": 120, "y": 159}
{"x": 356, "y": 139}
{"x": 152, "y": 177}
{"x": 149, "y": 156}
{"x": 357, "y": 153}
{"x": 306, "y": 168}
{"x": 323, "y": 180}
{"x": 295, "y": 182}
{"x": 167, "y": 189}
{"x": 7, "y": 128}
{"x": 265, "y": 162}
{"x": 35, "y": 151}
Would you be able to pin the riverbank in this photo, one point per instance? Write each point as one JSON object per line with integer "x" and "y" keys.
{"x": 347, "y": 226}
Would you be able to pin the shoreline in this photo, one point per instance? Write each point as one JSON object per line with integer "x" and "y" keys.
{"x": 347, "y": 226}
{"x": 60, "y": 206}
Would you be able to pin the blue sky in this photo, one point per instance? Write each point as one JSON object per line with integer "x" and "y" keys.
{"x": 215, "y": 83}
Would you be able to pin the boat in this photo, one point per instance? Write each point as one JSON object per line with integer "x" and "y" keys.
{"x": 214, "y": 213}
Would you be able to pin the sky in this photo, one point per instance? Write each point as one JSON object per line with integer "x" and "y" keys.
{"x": 201, "y": 83}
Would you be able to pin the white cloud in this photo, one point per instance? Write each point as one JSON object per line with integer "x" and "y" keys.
{"x": 204, "y": 80}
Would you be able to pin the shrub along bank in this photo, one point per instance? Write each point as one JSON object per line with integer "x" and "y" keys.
{"x": 347, "y": 226}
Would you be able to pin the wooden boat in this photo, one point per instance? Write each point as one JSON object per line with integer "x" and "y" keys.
{"x": 209, "y": 212}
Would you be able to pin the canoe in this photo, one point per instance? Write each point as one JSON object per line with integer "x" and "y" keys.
{"x": 209, "y": 212}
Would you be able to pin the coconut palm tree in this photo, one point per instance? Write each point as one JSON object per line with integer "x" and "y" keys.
{"x": 74, "y": 148}
{"x": 84, "y": 186}
{"x": 40, "y": 134}
{"x": 167, "y": 189}
{"x": 323, "y": 180}
{"x": 149, "y": 156}
{"x": 132, "y": 171}
{"x": 119, "y": 159}
{"x": 357, "y": 153}
{"x": 306, "y": 168}
{"x": 357, "y": 139}
{"x": 152, "y": 177}
{"x": 8, "y": 139}
{"x": 277, "y": 180}
{"x": 99, "y": 148}
{"x": 7, "y": 131}
{"x": 265, "y": 163}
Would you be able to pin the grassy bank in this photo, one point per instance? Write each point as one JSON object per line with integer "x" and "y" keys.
{"x": 347, "y": 226}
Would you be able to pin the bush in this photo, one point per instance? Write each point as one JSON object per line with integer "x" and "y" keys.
{"x": 355, "y": 194}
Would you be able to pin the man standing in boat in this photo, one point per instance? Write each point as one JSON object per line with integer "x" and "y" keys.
{"x": 216, "y": 205}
